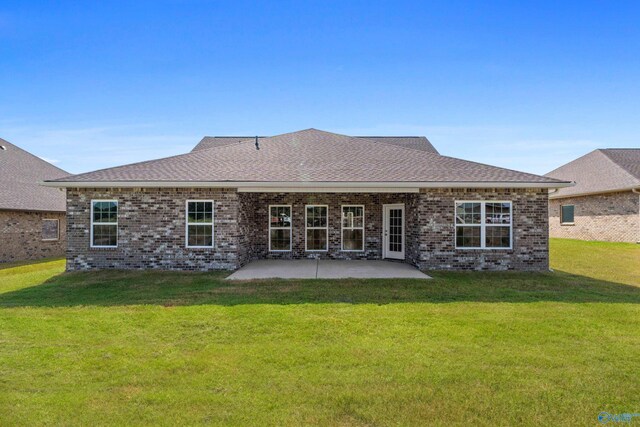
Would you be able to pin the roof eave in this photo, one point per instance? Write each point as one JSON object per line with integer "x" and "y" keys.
{"x": 593, "y": 193}
{"x": 327, "y": 184}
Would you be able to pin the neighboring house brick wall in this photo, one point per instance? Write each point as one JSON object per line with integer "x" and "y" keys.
{"x": 612, "y": 217}
{"x": 151, "y": 230}
{"x": 436, "y": 232}
{"x": 21, "y": 236}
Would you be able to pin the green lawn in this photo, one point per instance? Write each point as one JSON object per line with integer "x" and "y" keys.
{"x": 133, "y": 348}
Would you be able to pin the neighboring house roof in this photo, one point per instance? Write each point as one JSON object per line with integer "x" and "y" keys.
{"x": 415, "y": 142}
{"x": 20, "y": 176}
{"x": 309, "y": 157}
{"x": 600, "y": 171}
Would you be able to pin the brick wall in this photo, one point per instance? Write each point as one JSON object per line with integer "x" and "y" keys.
{"x": 21, "y": 236}
{"x": 435, "y": 231}
{"x": 151, "y": 230}
{"x": 612, "y": 217}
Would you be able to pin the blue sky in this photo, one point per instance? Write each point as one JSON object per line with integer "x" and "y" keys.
{"x": 522, "y": 85}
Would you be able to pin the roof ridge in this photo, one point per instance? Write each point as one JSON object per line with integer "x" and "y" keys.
{"x": 617, "y": 165}
{"x": 390, "y": 136}
{"x": 4, "y": 141}
{"x": 234, "y": 136}
{"x": 364, "y": 138}
{"x": 574, "y": 160}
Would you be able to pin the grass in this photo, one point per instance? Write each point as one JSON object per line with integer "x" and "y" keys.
{"x": 177, "y": 348}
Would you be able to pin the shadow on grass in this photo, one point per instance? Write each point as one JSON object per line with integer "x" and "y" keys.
{"x": 27, "y": 263}
{"x": 116, "y": 288}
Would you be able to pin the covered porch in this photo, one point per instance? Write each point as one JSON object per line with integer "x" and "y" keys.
{"x": 327, "y": 225}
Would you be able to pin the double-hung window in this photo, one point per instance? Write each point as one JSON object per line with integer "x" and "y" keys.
{"x": 280, "y": 228}
{"x": 316, "y": 227}
{"x": 353, "y": 228}
{"x": 104, "y": 223}
{"x": 483, "y": 225}
{"x": 199, "y": 224}
{"x": 567, "y": 214}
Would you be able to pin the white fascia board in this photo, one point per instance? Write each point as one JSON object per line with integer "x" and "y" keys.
{"x": 593, "y": 193}
{"x": 263, "y": 186}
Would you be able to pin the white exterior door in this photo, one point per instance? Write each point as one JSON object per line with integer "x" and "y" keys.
{"x": 393, "y": 231}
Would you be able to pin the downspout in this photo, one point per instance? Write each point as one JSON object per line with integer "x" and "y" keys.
{"x": 637, "y": 191}
{"x": 551, "y": 191}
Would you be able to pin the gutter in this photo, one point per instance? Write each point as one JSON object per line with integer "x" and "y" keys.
{"x": 591, "y": 193}
{"x": 256, "y": 186}
{"x": 637, "y": 191}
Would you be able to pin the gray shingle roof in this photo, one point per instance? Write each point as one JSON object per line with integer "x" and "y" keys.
{"x": 309, "y": 156}
{"x": 415, "y": 142}
{"x": 20, "y": 175}
{"x": 602, "y": 170}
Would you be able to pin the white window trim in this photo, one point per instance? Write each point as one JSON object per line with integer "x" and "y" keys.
{"x": 58, "y": 228}
{"x": 186, "y": 224}
{"x": 93, "y": 201}
{"x": 342, "y": 228}
{"x": 483, "y": 225}
{"x": 290, "y": 228}
{"x": 574, "y": 215}
{"x": 326, "y": 228}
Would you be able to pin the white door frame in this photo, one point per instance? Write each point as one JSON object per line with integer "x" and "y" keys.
{"x": 386, "y": 253}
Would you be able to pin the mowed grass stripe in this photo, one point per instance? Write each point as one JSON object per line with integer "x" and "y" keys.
{"x": 165, "y": 348}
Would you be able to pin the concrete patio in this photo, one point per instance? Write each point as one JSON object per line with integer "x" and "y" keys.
{"x": 326, "y": 269}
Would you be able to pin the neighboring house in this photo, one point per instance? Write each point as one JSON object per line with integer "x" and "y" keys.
{"x": 605, "y": 202}
{"x": 32, "y": 217}
{"x": 308, "y": 194}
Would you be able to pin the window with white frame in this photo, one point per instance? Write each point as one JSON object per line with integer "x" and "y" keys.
{"x": 104, "y": 223}
{"x": 316, "y": 227}
{"x": 50, "y": 229}
{"x": 483, "y": 225}
{"x": 567, "y": 214}
{"x": 199, "y": 224}
{"x": 353, "y": 228}
{"x": 279, "y": 228}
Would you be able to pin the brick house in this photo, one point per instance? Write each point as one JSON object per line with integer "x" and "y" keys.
{"x": 605, "y": 202}
{"x": 32, "y": 217}
{"x": 307, "y": 194}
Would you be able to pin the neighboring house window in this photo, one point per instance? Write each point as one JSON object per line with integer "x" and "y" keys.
{"x": 50, "y": 229}
{"x": 280, "y": 228}
{"x": 566, "y": 214}
{"x": 104, "y": 223}
{"x": 316, "y": 227}
{"x": 483, "y": 225}
{"x": 199, "y": 224}
{"x": 352, "y": 228}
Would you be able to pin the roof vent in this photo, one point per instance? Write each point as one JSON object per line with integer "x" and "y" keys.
{"x": 257, "y": 145}
{"x": 3, "y": 148}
